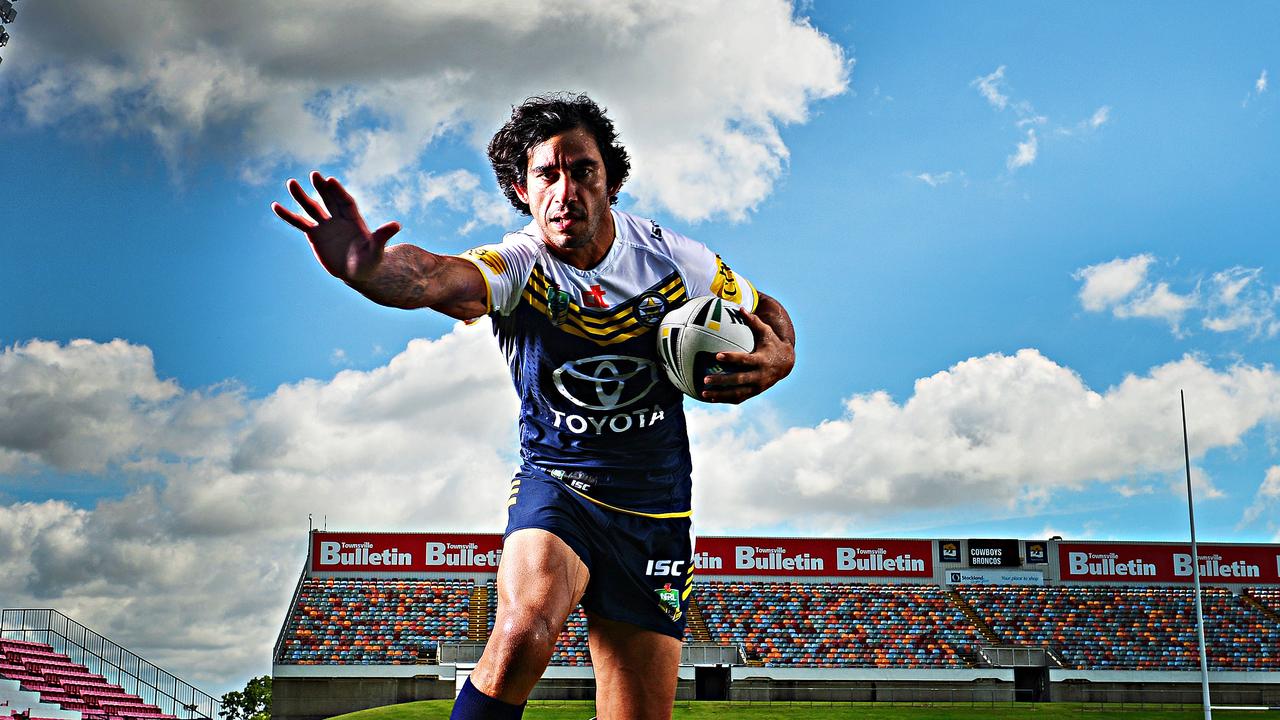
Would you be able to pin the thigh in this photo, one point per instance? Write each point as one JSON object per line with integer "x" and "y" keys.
{"x": 635, "y": 670}
{"x": 540, "y": 580}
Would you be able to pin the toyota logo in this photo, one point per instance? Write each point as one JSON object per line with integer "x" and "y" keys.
{"x": 605, "y": 382}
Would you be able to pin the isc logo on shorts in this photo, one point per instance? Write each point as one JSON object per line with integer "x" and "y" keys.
{"x": 662, "y": 568}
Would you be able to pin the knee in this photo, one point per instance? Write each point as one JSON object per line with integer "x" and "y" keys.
{"x": 528, "y": 634}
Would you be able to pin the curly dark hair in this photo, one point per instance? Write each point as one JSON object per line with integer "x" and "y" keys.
{"x": 542, "y": 117}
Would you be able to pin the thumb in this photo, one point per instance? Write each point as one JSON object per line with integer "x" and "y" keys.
{"x": 385, "y": 233}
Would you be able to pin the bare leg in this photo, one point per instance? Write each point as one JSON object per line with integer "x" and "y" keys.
{"x": 540, "y": 580}
{"x": 635, "y": 670}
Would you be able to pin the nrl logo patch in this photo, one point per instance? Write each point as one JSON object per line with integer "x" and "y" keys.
{"x": 669, "y": 599}
{"x": 557, "y": 304}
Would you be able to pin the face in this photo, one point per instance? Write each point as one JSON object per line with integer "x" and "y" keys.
{"x": 568, "y": 195}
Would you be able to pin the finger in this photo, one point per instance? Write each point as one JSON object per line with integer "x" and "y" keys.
{"x": 733, "y": 378}
{"x": 323, "y": 188}
{"x": 732, "y": 395}
{"x": 338, "y": 200}
{"x": 385, "y": 233}
{"x": 292, "y": 218}
{"x": 759, "y": 328}
{"x": 346, "y": 203}
{"x": 311, "y": 207}
{"x": 750, "y": 359}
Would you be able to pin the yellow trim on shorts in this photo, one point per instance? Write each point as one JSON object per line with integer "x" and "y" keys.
{"x": 607, "y": 506}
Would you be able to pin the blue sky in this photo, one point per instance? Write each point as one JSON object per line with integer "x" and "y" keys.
{"x": 1007, "y": 233}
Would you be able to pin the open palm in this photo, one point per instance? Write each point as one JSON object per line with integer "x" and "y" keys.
{"x": 339, "y": 237}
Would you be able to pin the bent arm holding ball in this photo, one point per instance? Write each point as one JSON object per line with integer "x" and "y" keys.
{"x": 772, "y": 359}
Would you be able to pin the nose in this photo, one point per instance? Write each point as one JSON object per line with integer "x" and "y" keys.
{"x": 565, "y": 189}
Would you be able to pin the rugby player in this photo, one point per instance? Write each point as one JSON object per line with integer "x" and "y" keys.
{"x": 599, "y": 511}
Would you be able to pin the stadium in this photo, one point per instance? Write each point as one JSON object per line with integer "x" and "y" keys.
{"x": 380, "y": 618}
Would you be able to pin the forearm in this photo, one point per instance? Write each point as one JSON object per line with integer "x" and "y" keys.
{"x": 403, "y": 278}
{"x": 775, "y": 316}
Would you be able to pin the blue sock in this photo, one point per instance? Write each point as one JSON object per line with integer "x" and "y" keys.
{"x": 475, "y": 705}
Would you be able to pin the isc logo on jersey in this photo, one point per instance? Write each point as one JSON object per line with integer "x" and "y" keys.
{"x": 661, "y": 568}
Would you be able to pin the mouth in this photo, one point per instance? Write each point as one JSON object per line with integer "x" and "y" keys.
{"x": 566, "y": 220}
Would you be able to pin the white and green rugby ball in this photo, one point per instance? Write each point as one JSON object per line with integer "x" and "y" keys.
{"x": 691, "y": 335}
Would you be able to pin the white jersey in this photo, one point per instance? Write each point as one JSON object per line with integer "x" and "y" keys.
{"x": 581, "y": 346}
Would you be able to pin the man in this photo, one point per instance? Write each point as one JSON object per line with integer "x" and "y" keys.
{"x": 599, "y": 510}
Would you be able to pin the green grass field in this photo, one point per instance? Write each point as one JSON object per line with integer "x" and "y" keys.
{"x": 582, "y": 710}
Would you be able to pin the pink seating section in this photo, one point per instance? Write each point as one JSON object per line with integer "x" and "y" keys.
{"x": 59, "y": 680}
{"x": 839, "y": 625}
{"x": 1131, "y": 628}
{"x": 358, "y": 621}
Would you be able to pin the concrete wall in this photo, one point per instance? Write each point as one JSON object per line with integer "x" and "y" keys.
{"x": 771, "y": 690}
{"x": 316, "y": 698}
{"x": 1257, "y": 694}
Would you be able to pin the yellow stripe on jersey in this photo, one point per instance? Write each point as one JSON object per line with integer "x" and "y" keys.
{"x": 616, "y": 327}
{"x": 607, "y": 506}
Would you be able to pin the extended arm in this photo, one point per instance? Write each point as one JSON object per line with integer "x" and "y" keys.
{"x": 772, "y": 360}
{"x": 402, "y": 276}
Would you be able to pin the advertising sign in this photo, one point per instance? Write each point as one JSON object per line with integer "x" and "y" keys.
{"x": 994, "y": 577}
{"x": 380, "y": 553}
{"x": 994, "y": 553}
{"x": 810, "y": 557}
{"x": 404, "y": 552}
{"x": 1037, "y": 552}
{"x": 1111, "y": 562}
{"x": 949, "y": 551}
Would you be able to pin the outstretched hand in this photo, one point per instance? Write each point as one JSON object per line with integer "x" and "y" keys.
{"x": 341, "y": 241}
{"x": 759, "y": 369}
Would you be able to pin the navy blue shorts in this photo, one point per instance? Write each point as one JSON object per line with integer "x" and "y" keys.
{"x": 637, "y": 545}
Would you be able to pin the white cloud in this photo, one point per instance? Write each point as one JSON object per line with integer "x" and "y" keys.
{"x": 1107, "y": 284}
{"x": 996, "y": 431}
{"x": 371, "y": 88}
{"x": 1267, "y": 498}
{"x": 989, "y": 87}
{"x": 1100, "y": 117}
{"x": 1259, "y": 87}
{"x": 1236, "y": 299}
{"x": 993, "y": 88}
{"x": 215, "y": 527}
{"x": 1026, "y": 153}
{"x": 1239, "y": 301}
{"x": 1122, "y": 286}
{"x": 936, "y": 179}
{"x": 1159, "y": 303}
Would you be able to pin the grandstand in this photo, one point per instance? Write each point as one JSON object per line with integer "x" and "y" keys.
{"x": 53, "y": 668}
{"x": 380, "y": 618}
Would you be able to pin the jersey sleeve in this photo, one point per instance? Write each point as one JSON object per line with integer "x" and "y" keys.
{"x": 705, "y": 273}
{"x": 505, "y": 267}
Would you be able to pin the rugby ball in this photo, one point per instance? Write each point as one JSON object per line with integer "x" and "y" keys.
{"x": 690, "y": 336}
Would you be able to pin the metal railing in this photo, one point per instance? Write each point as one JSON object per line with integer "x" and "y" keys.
{"x": 115, "y": 663}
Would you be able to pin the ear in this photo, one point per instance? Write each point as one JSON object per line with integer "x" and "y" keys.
{"x": 522, "y": 192}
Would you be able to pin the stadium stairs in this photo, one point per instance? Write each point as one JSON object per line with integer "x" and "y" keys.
{"x": 61, "y": 683}
{"x": 697, "y": 625}
{"x": 982, "y": 627}
{"x": 1260, "y": 606}
{"x": 478, "y": 614}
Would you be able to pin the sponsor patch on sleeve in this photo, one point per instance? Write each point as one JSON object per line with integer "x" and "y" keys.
{"x": 731, "y": 287}
{"x": 490, "y": 258}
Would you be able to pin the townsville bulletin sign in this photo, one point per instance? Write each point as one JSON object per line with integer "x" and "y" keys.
{"x": 391, "y": 553}
{"x": 1112, "y": 562}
